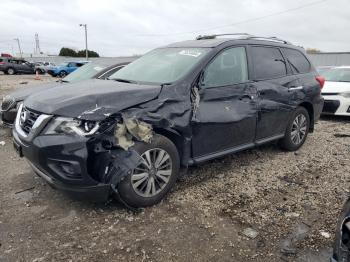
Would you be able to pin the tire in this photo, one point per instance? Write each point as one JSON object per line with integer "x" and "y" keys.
{"x": 136, "y": 195}
{"x": 62, "y": 74}
{"x": 291, "y": 142}
{"x": 10, "y": 71}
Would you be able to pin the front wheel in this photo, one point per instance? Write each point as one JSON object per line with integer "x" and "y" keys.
{"x": 155, "y": 175}
{"x": 297, "y": 130}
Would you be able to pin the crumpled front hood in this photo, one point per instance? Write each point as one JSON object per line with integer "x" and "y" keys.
{"x": 91, "y": 99}
{"x": 21, "y": 94}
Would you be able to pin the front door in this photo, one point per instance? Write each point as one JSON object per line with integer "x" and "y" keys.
{"x": 225, "y": 116}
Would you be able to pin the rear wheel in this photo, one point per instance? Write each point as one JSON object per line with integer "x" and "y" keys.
{"x": 62, "y": 74}
{"x": 11, "y": 71}
{"x": 297, "y": 130}
{"x": 153, "y": 178}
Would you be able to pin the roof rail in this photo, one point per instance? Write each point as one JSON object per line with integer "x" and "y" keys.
{"x": 202, "y": 37}
{"x": 245, "y": 36}
{"x": 272, "y": 38}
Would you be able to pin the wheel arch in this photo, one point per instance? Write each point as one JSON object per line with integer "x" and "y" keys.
{"x": 310, "y": 109}
{"x": 174, "y": 137}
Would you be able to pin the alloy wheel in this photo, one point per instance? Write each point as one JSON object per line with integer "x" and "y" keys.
{"x": 299, "y": 128}
{"x": 153, "y": 173}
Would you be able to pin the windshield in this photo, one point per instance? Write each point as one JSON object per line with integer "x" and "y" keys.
{"x": 85, "y": 72}
{"x": 337, "y": 75}
{"x": 164, "y": 65}
{"x": 63, "y": 64}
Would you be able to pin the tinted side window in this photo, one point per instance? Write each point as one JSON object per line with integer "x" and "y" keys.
{"x": 228, "y": 68}
{"x": 297, "y": 61}
{"x": 268, "y": 62}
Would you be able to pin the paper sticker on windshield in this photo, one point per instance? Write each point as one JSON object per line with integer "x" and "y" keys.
{"x": 97, "y": 68}
{"x": 193, "y": 53}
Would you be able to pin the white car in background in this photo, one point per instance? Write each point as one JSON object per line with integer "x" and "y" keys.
{"x": 336, "y": 91}
{"x": 42, "y": 67}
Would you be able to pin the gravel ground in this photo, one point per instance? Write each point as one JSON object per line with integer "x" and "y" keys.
{"x": 259, "y": 205}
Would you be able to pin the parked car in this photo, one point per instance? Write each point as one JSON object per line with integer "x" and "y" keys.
{"x": 336, "y": 91}
{"x": 65, "y": 68}
{"x": 98, "y": 69}
{"x": 11, "y": 66}
{"x": 43, "y": 67}
{"x": 322, "y": 69}
{"x": 341, "y": 247}
{"x": 179, "y": 105}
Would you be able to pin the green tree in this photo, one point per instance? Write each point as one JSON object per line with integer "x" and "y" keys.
{"x": 312, "y": 50}
{"x": 65, "y": 51}
{"x": 91, "y": 53}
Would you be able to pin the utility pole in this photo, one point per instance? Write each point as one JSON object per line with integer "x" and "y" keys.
{"x": 19, "y": 47}
{"x": 86, "y": 46}
{"x": 37, "y": 45}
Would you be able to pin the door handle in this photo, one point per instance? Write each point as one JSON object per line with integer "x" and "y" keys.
{"x": 295, "y": 88}
{"x": 246, "y": 97}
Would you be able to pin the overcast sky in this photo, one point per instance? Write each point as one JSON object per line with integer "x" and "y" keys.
{"x": 127, "y": 27}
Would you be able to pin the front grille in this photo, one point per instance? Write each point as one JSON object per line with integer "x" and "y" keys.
{"x": 7, "y": 103}
{"x": 27, "y": 119}
{"x": 330, "y": 106}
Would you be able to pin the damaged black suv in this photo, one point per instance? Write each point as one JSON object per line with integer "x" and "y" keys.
{"x": 179, "y": 105}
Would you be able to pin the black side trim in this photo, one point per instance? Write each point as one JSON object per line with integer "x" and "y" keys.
{"x": 268, "y": 139}
{"x": 236, "y": 149}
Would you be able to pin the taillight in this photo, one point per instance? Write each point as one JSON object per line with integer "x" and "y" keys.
{"x": 2, "y": 63}
{"x": 320, "y": 80}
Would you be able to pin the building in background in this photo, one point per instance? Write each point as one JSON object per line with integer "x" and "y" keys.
{"x": 330, "y": 58}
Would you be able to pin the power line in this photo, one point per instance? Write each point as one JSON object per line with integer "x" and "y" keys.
{"x": 240, "y": 22}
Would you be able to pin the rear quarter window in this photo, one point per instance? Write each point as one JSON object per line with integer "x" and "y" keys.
{"x": 297, "y": 61}
{"x": 268, "y": 62}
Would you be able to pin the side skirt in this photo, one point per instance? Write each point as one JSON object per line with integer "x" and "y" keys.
{"x": 236, "y": 149}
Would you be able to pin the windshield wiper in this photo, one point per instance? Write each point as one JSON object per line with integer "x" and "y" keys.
{"x": 124, "y": 80}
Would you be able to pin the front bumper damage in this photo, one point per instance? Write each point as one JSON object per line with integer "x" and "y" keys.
{"x": 89, "y": 168}
{"x": 8, "y": 117}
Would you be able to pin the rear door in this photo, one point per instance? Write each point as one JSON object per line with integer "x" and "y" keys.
{"x": 275, "y": 84}
{"x": 16, "y": 64}
{"x": 225, "y": 112}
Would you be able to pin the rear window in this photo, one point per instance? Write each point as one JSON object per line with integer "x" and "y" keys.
{"x": 297, "y": 61}
{"x": 268, "y": 62}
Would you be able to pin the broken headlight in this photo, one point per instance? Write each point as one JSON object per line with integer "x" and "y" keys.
{"x": 70, "y": 126}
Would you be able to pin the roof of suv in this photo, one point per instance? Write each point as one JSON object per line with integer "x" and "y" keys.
{"x": 212, "y": 41}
